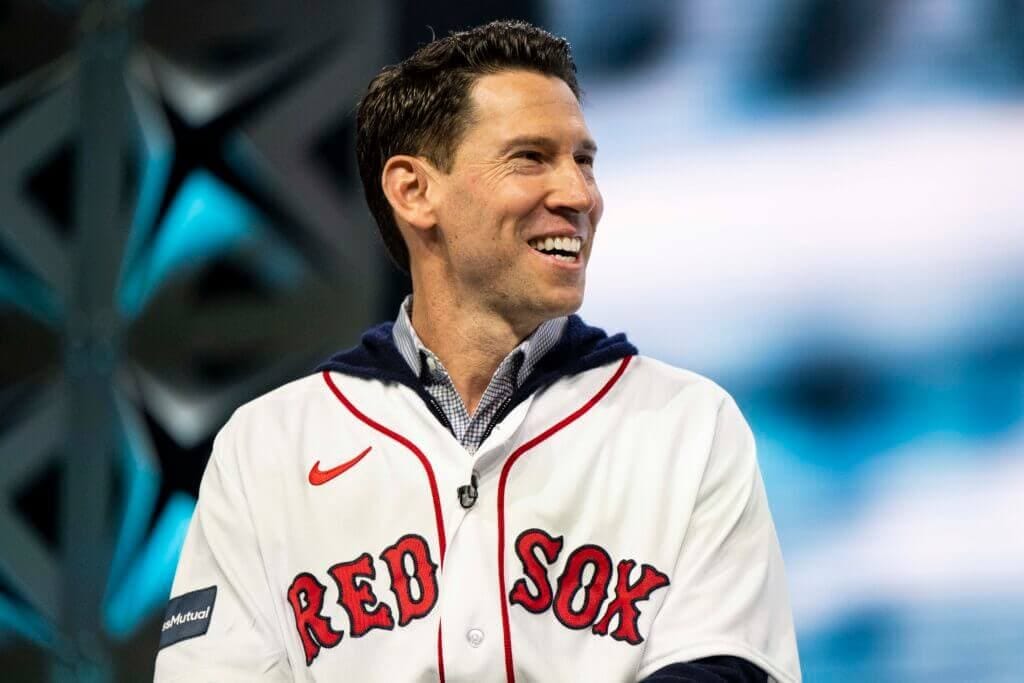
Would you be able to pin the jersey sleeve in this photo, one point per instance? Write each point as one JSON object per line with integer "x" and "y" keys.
{"x": 219, "y": 624}
{"x": 727, "y": 594}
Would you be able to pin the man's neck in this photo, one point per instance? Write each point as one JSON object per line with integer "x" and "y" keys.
{"x": 471, "y": 343}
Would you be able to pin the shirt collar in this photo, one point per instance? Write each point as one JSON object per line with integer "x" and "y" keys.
{"x": 428, "y": 367}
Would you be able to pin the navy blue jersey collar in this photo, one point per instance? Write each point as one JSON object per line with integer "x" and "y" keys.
{"x": 580, "y": 348}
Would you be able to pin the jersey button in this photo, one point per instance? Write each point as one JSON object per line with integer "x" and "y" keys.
{"x": 475, "y": 637}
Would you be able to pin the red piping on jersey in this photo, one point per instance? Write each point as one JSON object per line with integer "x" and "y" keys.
{"x": 439, "y": 519}
{"x": 507, "y": 631}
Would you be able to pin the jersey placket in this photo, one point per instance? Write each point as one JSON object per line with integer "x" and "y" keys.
{"x": 473, "y": 640}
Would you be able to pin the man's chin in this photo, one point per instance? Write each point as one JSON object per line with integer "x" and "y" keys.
{"x": 537, "y": 307}
{"x": 564, "y": 303}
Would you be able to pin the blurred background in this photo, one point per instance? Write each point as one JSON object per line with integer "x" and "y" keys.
{"x": 818, "y": 204}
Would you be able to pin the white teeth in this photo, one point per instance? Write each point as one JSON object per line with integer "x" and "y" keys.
{"x": 569, "y": 245}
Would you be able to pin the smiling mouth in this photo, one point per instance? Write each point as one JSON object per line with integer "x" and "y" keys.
{"x": 561, "y": 248}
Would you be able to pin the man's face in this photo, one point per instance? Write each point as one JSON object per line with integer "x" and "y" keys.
{"x": 519, "y": 208}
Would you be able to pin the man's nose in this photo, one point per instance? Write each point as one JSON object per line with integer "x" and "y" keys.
{"x": 572, "y": 189}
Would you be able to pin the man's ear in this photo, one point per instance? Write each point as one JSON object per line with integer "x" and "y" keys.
{"x": 407, "y": 183}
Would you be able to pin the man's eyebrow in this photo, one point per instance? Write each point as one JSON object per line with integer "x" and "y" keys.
{"x": 586, "y": 145}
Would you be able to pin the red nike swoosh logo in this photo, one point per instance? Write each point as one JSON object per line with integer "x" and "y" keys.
{"x": 318, "y": 476}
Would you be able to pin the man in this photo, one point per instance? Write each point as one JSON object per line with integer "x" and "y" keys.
{"x": 489, "y": 489}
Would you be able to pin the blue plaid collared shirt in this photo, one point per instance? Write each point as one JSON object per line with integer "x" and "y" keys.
{"x": 516, "y": 367}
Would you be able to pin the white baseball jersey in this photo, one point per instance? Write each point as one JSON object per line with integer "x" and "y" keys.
{"x": 620, "y": 525}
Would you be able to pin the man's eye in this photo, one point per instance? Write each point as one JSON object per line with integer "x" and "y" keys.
{"x": 530, "y": 155}
{"x": 585, "y": 160}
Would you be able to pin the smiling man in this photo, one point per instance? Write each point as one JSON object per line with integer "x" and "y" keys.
{"x": 499, "y": 230}
{"x": 487, "y": 489}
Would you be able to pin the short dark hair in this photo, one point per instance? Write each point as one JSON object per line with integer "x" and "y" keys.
{"x": 421, "y": 106}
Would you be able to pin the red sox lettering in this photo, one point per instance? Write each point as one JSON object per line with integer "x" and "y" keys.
{"x": 623, "y": 605}
{"x": 356, "y": 596}
{"x": 416, "y": 592}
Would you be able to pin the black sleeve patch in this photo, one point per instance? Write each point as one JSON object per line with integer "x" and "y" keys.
{"x": 187, "y": 616}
